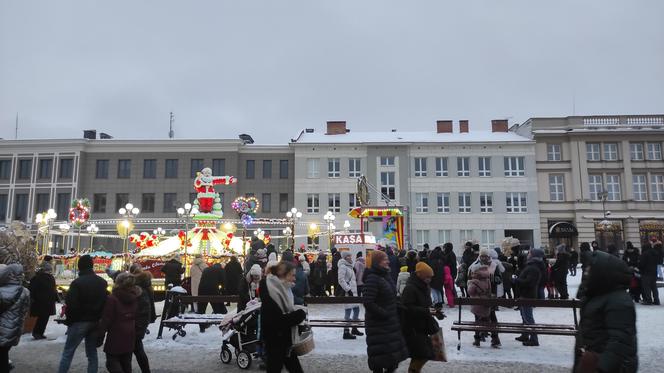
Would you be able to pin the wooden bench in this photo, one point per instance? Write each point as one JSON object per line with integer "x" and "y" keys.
{"x": 516, "y": 328}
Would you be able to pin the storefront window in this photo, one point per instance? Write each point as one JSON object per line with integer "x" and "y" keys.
{"x": 651, "y": 230}
{"x": 609, "y": 234}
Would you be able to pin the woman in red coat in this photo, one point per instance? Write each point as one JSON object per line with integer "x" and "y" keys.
{"x": 118, "y": 323}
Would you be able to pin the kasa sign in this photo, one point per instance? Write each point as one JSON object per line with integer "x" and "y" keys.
{"x": 350, "y": 239}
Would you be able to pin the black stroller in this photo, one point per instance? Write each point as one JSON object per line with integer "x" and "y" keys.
{"x": 241, "y": 332}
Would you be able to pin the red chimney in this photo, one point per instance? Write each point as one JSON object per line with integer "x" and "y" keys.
{"x": 499, "y": 125}
{"x": 336, "y": 127}
{"x": 444, "y": 126}
{"x": 463, "y": 126}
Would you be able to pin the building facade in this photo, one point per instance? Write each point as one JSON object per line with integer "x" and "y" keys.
{"x": 454, "y": 186}
{"x": 601, "y": 178}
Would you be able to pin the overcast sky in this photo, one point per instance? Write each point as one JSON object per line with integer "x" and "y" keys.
{"x": 270, "y": 68}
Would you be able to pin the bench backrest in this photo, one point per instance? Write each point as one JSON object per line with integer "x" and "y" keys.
{"x": 502, "y": 302}
{"x": 188, "y": 299}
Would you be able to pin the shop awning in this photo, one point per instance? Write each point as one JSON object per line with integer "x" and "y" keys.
{"x": 374, "y": 212}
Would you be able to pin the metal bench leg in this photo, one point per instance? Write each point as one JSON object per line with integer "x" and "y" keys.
{"x": 164, "y": 313}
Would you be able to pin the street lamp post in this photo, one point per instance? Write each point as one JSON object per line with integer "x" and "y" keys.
{"x": 64, "y": 229}
{"x": 92, "y": 229}
{"x": 293, "y": 215}
{"x": 329, "y": 220}
{"x": 187, "y": 212}
{"x": 129, "y": 212}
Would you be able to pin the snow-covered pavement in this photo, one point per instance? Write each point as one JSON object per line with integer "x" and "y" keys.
{"x": 200, "y": 351}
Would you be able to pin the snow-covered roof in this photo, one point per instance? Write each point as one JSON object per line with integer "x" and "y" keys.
{"x": 410, "y": 137}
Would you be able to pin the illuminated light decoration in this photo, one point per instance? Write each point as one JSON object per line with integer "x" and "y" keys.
{"x": 124, "y": 227}
{"x": 370, "y": 212}
{"x": 247, "y": 220}
{"x": 245, "y": 205}
{"x": 207, "y": 199}
{"x": 79, "y": 212}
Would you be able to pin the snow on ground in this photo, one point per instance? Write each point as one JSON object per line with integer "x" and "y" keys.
{"x": 332, "y": 354}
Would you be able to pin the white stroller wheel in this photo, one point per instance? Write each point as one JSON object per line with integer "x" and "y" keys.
{"x": 225, "y": 355}
{"x": 243, "y": 360}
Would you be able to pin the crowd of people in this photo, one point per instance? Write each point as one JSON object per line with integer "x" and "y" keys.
{"x": 402, "y": 292}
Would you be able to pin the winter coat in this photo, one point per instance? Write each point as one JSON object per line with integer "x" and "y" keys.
{"x": 394, "y": 266}
{"x": 359, "y": 270}
{"x": 507, "y": 276}
{"x": 276, "y": 325}
{"x": 318, "y": 275}
{"x": 232, "y": 276}
{"x": 347, "y": 281}
{"x": 43, "y": 294}
{"x": 573, "y": 258}
{"x": 385, "y": 343}
{"x": 560, "y": 267}
{"x": 211, "y": 279}
{"x": 196, "y": 271}
{"x": 462, "y": 276}
{"x": 648, "y": 262}
{"x": 450, "y": 259}
{"x": 146, "y": 313}
{"x": 468, "y": 257}
{"x": 448, "y": 280}
{"x": 301, "y": 288}
{"x": 118, "y": 321}
{"x": 411, "y": 261}
{"x": 173, "y": 271}
{"x": 86, "y": 298}
{"x": 631, "y": 257}
{"x": 436, "y": 263}
{"x": 245, "y": 293}
{"x": 528, "y": 281}
{"x": 479, "y": 286}
{"x": 608, "y": 318}
{"x": 402, "y": 280}
{"x": 417, "y": 322}
{"x": 14, "y": 304}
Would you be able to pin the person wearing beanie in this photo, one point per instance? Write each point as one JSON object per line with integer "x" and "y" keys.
{"x": 484, "y": 280}
{"x": 248, "y": 289}
{"x": 528, "y": 284}
{"x": 85, "y": 302}
{"x": 402, "y": 279}
{"x": 359, "y": 267}
{"x": 386, "y": 347}
{"x": 418, "y": 323}
{"x": 560, "y": 269}
{"x": 348, "y": 285}
{"x": 43, "y": 296}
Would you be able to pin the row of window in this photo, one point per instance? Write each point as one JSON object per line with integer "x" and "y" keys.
{"x": 609, "y": 151}
{"x": 171, "y": 168}
{"x": 487, "y": 237}
{"x": 44, "y": 169}
{"x": 515, "y": 202}
{"x": 62, "y": 203}
{"x": 611, "y": 185}
{"x": 170, "y": 202}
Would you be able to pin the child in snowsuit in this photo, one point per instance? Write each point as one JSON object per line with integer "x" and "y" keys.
{"x": 402, "y": 279}
{"x": 448, "y": 282}
{"x": 461, "y": 280}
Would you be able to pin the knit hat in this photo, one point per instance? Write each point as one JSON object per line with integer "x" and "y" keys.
{"x": 255, "y": 270}
{"x": 124, "y": 280}
{"x": 537, "y": 253}
{"x": 485, "y": 251}
{"x": 46, "y": 267}
{"x": 359, "y": 254}
{"x": 85, "y": 262}
{"x": 272, "y": 257}
{"x": 377, "y": 256}
{"x": 345, "y": 254}
{"x": 403, "y": 269}
{"x": 422, "y": 268}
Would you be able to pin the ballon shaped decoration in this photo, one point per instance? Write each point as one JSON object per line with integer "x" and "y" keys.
{"x": 246, "y": 207}
{"x": 79, "y": 213}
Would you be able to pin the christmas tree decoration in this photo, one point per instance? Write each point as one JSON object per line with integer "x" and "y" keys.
{"x": 79, "y": 213}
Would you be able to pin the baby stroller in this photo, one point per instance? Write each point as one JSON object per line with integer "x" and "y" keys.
{"x": 241, "y": 332}
{"x": 173, "y": 308}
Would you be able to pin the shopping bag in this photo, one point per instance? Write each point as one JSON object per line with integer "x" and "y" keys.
{"x": 438, "y": 344}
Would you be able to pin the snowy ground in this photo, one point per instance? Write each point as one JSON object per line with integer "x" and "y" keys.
{"x": 332, "y": 354}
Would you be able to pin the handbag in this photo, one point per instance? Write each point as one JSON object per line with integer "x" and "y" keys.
{"x": 588, "y": 362}
{"x": 438, "y": 344}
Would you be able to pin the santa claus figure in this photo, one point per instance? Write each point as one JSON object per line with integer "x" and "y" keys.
{"x": 204, "y": 184}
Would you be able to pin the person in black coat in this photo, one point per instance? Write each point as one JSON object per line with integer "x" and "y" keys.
{"x": 648, "y": 269}
{"x": 233, "y": 276}
{"x": 411, "y": 261}
{"x": 560, "y": 269}
{"x": 528, "y": 288}
{"x": 145, "y": 315}
{"x": 632, "y": 257}
{"x": 43, "y": 296}
{"x": 438, "y": 266}
{"x": 318, "y": 276}
{"x": 394, "y": 264}
{"x": 417, "y": 322}
{"x": 173, "y": 271}
{"x": 584, "y": 255}
{"x": 468, "y": 257}
{"x": 211, "y": 280}
{"x": 279, "y": 319}
{"x": 573, "y": 261}
{"x": 386, "y": 347}
{"x": 333, "y": 274}
{"x": 606, "y": 339}
{"x": 449, "y": 258}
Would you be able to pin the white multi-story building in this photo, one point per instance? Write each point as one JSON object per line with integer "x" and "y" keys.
{"x": 454, "y": 186}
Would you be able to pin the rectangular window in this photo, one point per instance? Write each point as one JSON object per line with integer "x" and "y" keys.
{"x": 21, "y": 206}
{"x": 283, "y": 169}
{"x": 66, "y": 168}
{"x": 441, "y": 166}
{"x": 101, "y": 171}
{"x": 3, "y": 207}
{"x": 354, "y": 167}
{"x": 654, "y": 151}
{"x": 422, "y": 202}
{"x": 124, "y": 168}
{"x": 387, "y": 184}
{"x": 171, "y": 169}
{"x": 352, "y": 201}
{"x": 486, "y": 202}
{"x": 99, "y": 203}
{"x": 45, "y": 167}
{"x": 657, "y": 187}
{"x": 465, "y": 235}
{"x": 592, "y": 151}
{"x": 196, "y": 166}
{"x": 610, "y": 151}
{"x": 62, "y": 203}
{"x": 422, "y": 237}
{"x": 334, "y": 202}
{"x": 463, "y": 166}
{"x": 484, "y": 166}
{"x": 420, "y": 167}
{"x": 5, "y": 171}
{"x": 443, "y": 203}
{"x": 150, "y": 168}
{"x": 41, "y": 203}
{"x": 147, "y": 202}
{"x": 333, "y": 167}
{"x": 640, "y": 188}
{"x": 613, "y": 187}
{"x": 24, "y": 168}
{"x": 313, "y": 203}
{"x": 464, "y": 202}
{"x": 553, "y": 152}
{"x": 488, "y": 239}
{"x": 219, "y": 167}
{"x": 266, "y": 203}
{"x": 387, "y": 161}
{"x": 444, "y": 236}
{"x": 121, "y": 199}
{"x": 267, "y": 169}
{"x": 516, "y": 202}
{"x": 313, "y": 168}
{"x": 250, "y": 169}
{"x": 556, "y": 187}
{"x": 515, "y": 166}
{"x": 636, "y": 151}
{"x": 169, "y": 202}
{"x": 283, "y": 202}
{"x": 595, "y": 186}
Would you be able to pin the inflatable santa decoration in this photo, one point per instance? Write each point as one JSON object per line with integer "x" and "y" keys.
{"x": 204, "y": 185}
